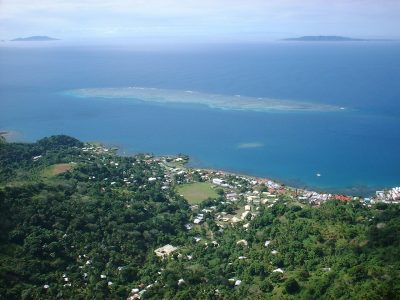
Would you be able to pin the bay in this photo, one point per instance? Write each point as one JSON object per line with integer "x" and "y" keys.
{"x": 355, "y": 151}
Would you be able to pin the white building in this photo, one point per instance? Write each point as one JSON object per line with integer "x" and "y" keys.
{"x": 165, "y": 250}
{"x": 218, "y": 181}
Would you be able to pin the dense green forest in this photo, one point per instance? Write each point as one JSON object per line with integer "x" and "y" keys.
{"x": 77, "y": 221}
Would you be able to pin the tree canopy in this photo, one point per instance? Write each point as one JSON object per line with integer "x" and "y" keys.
{"x": 90, "y": 232}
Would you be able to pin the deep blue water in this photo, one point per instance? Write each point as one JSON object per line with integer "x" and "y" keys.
{"x": 356, "y": 150}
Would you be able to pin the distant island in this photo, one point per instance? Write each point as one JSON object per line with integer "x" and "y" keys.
{"x": 36, "y": 38}
{"x": 325, "y": 38}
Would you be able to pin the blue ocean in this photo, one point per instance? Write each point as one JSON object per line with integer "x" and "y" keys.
{"x": 355, "y": 151}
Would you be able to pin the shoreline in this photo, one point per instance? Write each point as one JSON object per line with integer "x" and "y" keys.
{"x": 301, "y": 193}
{"x": 359, "y": 190}
{"x": 334, "y": 190}
{"x": 369, "y": 193}
{"x": 320, "y": 190}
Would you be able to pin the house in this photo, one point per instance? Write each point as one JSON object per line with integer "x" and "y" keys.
{"x": 231, "y": 195}
{"x": 242, "y": 242}
{"x": 326, "y": 269}
{"x": 197, "y": 221}
{"x": 165, "y": 250}
{"x": 235, "y": 219}
{"x": 279, "y": 270}
{"x": 343, "y": 198}
{"x": 181, "y": 281}
{"x": 218, "y": 181}
{"x": 244, "y": 214}
{"x": 215, "y": 243}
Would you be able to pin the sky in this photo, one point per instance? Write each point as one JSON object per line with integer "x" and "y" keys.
{"x": 201, "y": 20}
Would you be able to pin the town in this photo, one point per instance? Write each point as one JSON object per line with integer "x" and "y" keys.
{"x": 191, "y": 224}
{"x": 243, "y": 193}
{"x": 224, "y": 198}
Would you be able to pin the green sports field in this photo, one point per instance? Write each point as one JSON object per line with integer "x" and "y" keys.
{"x": 197, "y": 192}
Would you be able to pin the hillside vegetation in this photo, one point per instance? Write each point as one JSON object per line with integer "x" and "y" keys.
{"x": 90, "y": 231}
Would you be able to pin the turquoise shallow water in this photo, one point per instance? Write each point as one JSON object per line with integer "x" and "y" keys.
{"x": 215, "y": 101}
{"x": 355, "y": 151}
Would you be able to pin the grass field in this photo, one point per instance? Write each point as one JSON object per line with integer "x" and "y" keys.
{"x": 56, "y": 169}
{"x": 197, "y": 192}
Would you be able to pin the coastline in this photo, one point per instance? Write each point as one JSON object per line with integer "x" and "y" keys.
{"x": 361, "y": 190}
{"x": 387, "y": 195}
{"x": 356, "y": 190}
{"x": 371, "y": 192}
